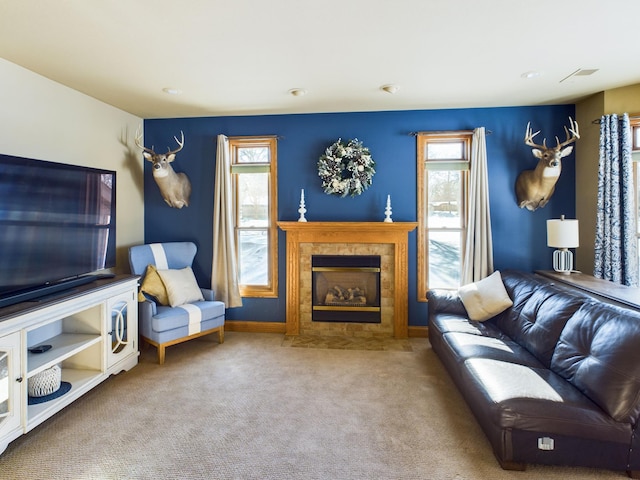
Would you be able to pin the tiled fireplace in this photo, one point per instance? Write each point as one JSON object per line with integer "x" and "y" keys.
{"x": 350, "y": 240}
{"x": 308, "y": 326}
{"x": 345, "y": 288}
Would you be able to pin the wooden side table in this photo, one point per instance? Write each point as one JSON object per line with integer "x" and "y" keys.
{"x": 610, "y": 291}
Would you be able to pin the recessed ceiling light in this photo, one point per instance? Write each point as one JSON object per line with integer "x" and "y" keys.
{"x": 298, "y": 92}
{"x": 390, "y": 88}
{"x": 172, "y": 91}
{"x": 531, "y": 74}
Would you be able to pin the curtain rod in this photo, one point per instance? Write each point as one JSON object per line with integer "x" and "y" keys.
{"x": 448, "y": 132}
{"x": 634, "y": 116}
{"x": 277, "y": 137}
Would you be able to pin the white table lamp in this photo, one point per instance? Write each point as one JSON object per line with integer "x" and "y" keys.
{"x": 563, "y": 235}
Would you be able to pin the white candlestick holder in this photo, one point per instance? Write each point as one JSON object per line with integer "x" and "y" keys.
{"x": 302, "y": 210}
{"x": 387, "y": 210}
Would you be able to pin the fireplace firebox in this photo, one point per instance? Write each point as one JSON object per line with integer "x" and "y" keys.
{"x": 346, "y": 288}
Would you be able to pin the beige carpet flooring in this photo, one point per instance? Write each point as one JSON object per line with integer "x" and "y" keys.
{"x": 252, "y": 408}
{"x": 347, "y": 343}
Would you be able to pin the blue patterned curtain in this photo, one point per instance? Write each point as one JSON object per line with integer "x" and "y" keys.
{"x": 616, "y": 253}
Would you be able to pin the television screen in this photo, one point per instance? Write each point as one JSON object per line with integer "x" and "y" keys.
{"x": 57, "y": 222}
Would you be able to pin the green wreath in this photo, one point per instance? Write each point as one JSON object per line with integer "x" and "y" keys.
{"x": 346, "y": 168}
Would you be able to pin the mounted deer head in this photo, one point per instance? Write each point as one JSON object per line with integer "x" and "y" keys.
{"x": 535, "y": 187}
{"x": 174, "y": 187}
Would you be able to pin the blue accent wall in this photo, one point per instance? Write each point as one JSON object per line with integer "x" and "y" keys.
{"x": 519, "y": 235}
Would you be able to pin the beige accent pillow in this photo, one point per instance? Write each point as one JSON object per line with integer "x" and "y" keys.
{"x": 486, "y": 298}
{"x": 181, "y": 286}
{"x": 152, "y": 285}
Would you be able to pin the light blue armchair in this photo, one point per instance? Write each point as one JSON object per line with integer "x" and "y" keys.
{"x": 165, "y": 325}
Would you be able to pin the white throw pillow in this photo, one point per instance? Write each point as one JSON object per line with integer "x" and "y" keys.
{"x": 486, "y": 298}
{"x": 181, "y": 286}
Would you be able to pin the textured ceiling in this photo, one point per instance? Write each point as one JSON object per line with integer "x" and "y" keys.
{"x": 242, "y": 57}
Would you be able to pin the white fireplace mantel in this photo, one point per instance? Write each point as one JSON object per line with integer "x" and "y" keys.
{"x": 394, "y": 233}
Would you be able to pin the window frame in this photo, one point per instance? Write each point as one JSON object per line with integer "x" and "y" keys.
{"x": 271, "y": 289}
{"x": 635, "y": 134}
{"x": 635, "y": 149}
{"x": 423, "y": 139}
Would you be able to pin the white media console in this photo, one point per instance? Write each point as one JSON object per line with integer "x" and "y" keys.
{"x": 93, "y": 333}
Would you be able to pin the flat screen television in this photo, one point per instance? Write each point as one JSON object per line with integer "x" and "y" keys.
{"x": 57, "y": 226}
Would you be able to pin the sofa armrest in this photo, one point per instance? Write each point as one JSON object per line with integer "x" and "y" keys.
{"x": 445, "y": 301}
{"x": 208, "y": 294}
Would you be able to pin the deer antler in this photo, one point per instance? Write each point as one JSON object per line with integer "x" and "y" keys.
{"x": 139, "y": 143}
{"x": 180, "y": 144}
{"x": 528, "y": 138}
{"x": 575, "y": 134}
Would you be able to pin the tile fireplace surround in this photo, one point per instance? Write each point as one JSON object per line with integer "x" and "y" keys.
{"x": 389, "y": 240}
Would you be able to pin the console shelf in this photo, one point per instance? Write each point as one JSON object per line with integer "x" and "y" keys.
{"x": 93, "y": 333}
{"x": 81, "y": 380}
{"x": 63, "y": 346}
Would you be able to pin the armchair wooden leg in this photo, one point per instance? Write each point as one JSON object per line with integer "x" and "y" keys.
{"x": 161, "y": 354}
{"x": 221, "y": 334}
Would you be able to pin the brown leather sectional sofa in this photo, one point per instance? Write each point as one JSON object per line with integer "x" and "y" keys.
{"x": 554, "y": 379}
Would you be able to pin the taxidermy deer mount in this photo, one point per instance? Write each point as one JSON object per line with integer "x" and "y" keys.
{"x": 535, "y": 187}
{"x": 174, "y": 187}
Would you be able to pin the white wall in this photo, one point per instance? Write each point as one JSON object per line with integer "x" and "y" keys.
{"x": 45, "y": 120}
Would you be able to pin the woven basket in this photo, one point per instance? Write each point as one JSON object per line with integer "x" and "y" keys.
{"x": 45, "y": 382}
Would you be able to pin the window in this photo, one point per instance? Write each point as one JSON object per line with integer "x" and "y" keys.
{"x": 443, "y": 173}
{"x": 635, "y": 130}
{"x": 253, "y": 173}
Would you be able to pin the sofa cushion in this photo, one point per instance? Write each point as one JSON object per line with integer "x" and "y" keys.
{"x": 599, "y": 353}
{"x": 521, "y": 397}
{"x": 450, "y": 322}
{"x": 485, "y": 298}
{"x": 169, "y": 318}
{"x": 499, "y": 348}
{"x": 538, "y": 316}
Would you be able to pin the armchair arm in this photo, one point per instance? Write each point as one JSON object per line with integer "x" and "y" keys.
{"x": 208, "y": 294}
{"x": 147, "y": 309}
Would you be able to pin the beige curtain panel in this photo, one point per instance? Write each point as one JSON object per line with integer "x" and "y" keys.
{"x": 224, "y": 268}
{"x": 478, "y": 257}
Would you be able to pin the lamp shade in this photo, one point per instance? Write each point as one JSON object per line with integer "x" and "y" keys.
{"x": 562, "y": 233}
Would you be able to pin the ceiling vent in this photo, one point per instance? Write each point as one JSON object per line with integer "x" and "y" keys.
{"x": 581, "y": 72}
